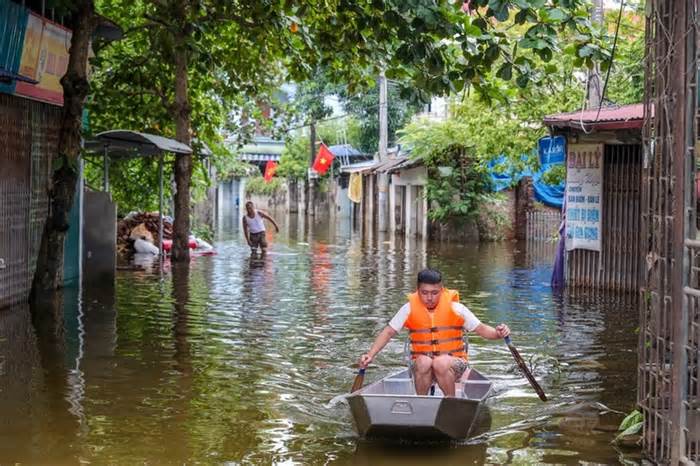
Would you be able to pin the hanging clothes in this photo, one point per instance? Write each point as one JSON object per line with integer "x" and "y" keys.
{"x": 355, "y": 188}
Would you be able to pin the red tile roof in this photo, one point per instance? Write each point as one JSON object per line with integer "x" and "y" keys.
{"x": 617, "y": 117}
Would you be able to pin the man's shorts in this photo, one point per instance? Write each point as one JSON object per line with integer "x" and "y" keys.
{"x": 258, "y": 240}
{"x": 459, "y": 366}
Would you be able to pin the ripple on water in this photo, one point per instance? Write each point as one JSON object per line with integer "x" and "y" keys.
{"x": 240, "y": 360}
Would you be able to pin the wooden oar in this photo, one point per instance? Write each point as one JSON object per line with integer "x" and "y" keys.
{"x": 525, "y": 370}
{"x": 359, "y": 378}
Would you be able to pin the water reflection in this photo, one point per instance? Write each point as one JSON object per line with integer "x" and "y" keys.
{"x": 235, "y": 358}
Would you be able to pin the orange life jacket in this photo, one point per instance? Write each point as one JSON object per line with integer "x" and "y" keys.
{"x": 438, "y": 332}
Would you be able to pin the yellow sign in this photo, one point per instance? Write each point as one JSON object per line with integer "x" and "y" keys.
{"x": 44, "y": 59}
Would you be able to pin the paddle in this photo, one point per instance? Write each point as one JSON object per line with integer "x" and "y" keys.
{"x": 359, "y": 378}
{"x": 525, "y": 370}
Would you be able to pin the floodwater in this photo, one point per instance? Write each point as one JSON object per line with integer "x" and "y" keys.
{"x": 237, "y": 360}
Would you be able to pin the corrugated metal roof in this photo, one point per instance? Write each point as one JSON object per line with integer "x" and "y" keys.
{"x": 618, "y": 117}
{"x": 341, "y": 150}
{"x": 125, "y": 143}
{"x": 358, "y": 167}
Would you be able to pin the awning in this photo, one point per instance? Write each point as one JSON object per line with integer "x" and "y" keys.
{"x": 123, "y": 144}
{"x": 605, "y": 118}
{"x": 9, "y": 76}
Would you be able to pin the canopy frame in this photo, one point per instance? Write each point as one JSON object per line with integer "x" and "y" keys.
{"x": 123, "y": 144}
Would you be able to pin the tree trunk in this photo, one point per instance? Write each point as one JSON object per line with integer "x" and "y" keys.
{"x": 183, "y": 163}
{"x": 48, "y": 276}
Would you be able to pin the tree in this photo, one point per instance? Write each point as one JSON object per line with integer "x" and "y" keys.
{"x": 183, "y": 61}
{"x": 49, "y": 270}
{"x": 216, "y": 51}
{"x": 365, "y": 107}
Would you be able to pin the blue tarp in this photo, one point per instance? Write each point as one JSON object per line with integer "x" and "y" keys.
{"x": 504, "y": 175}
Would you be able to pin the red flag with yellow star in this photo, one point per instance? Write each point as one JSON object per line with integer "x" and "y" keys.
{"x": 270, "y": 169}
{"x": 323, "y": 160}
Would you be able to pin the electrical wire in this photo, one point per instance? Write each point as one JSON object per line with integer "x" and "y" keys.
{"x": 612, "y": 58}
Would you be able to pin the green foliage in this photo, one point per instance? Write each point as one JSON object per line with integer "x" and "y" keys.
{"x": 346, "y": 130}
{"x": 365, "y": 108}
{"x": 258, "y": 185}
{"x": 555, "y": 175}
{"x": 231, "y": 167}
{"x": 296, "y": 156}
{"x": 457, "y": 179}
{"x": 204, "y": 232}
{"x": 237, "y": 52}
{"x": 494, "y": 217}
{"x": 133, "y": 183}
{"x": 631, "y": 425}
{"x": 626, "y": 84}
{"x": 294, "y": 161}
{"x": 505, "y": 119}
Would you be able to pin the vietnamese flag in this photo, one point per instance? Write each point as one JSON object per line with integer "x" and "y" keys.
{"x": 270, "y": 169}
{"x": 323, "y": 160}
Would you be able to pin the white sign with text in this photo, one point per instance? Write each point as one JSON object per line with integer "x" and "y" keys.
{"x": 584, "y": 196}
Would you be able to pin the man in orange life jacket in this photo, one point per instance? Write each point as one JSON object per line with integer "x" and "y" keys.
{"x": 436, "y": 322}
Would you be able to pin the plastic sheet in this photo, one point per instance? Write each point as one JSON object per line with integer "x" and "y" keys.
{"x": 504, "y": 175}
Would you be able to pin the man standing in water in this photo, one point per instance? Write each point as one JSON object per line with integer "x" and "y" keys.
{"x": 436, "y": 323}
{"x": 254, "y": 228}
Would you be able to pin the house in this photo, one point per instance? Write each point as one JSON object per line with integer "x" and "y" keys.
{"x": 603, "y": 196}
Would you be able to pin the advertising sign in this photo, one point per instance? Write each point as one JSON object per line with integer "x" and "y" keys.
{"x": 552, "y": 150}
{"x": 44, "y": 59}
{"x": 584, "y": 196}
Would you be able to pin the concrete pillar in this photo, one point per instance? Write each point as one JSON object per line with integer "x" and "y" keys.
{"x": 371, "y": 198}
{"x": 410, "y": 211}
{"x": 523, "y": 205}
{"x": 392, "y": 208}
{"x": 424, "y": 222}
{"x": 302, "y": 198}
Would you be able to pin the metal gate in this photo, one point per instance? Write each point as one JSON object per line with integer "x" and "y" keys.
{"x": 542, "y": 225}
{"x": 669, "y": 342}
{"x": 28, "y": 136}
{"x": 617, "y": 265}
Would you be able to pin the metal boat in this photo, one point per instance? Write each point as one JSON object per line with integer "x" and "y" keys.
{"x": 390, "y": 407}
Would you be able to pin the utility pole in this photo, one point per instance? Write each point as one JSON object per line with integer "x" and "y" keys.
{"x": 383, "y": 178}
{"x": 311, "y": 209}
{"x": 595, "y": 86}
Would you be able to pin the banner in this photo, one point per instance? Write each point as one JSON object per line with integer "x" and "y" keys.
{"x": 44, "y": 59}
{"x": 584, "y": 196}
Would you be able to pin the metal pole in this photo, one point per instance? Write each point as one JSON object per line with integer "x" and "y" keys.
{"x": 680, "y": 129}
{"x": 160, "y": 209}
{"x": 383, "y": 177}
{"x": 595, "y": 89}
{"x": 105, "y": 174}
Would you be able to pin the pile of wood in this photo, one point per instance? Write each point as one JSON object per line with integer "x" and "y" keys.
{"x": 141, "y": 224}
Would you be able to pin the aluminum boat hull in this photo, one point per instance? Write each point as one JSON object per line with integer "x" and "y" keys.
{"x": 390, "y": 408}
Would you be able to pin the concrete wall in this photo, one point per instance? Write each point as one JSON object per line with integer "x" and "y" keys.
{"x": 72, "y": 254}
{"x": 265, "y": 202}
{"x": 408, "y": 206}
{"x": 100, "y": 238}
{"x": 496, "y": 221}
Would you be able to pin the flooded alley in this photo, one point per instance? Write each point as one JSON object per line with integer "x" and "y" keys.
{"x": 237, "y": 360}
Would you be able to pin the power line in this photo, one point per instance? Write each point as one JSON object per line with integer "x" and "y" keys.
{"x": 612, "y": 58}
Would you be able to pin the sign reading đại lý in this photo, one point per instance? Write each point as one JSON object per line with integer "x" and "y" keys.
{"x": 584, "y": 196}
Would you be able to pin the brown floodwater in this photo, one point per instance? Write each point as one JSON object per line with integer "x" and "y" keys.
{"x": 236, "y": 361}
